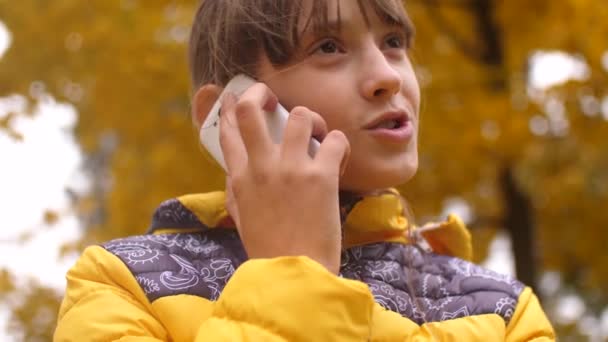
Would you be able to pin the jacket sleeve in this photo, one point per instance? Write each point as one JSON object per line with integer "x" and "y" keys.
{"x": 280, "y": 299}
{"x": 529, "y": 322}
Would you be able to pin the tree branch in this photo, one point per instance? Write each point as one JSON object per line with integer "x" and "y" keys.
{"x": 489, "y": 49}
{"x": 467, "y": 48}
{"x": 519, "y": 222}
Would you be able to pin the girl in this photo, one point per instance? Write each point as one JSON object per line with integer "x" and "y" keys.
{"x": 300, "y": 248}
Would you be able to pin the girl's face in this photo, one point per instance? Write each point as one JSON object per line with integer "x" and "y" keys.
{"x": 360, "y": 80}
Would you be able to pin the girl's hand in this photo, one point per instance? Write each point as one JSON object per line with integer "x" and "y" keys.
{"x": 283, "y": 201}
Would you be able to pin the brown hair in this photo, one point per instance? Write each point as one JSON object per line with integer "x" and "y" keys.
{"x": 228, "y": 36}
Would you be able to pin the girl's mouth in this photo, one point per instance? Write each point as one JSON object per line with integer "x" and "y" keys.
{"x": 394, "y": 127}
{"x": 390, "y": 124}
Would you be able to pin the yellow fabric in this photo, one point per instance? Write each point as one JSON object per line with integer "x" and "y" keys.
{"x": 104, "y": 302}
{"x": 375, "y": 219}
{"x": 450, "y": 238}
{"x": 529, "y": 322}
{"x": 296, "y": 300}
{"x": 208, "y": 207}
{"x": 377, "y": 213}
{"x": 162, "y": 231}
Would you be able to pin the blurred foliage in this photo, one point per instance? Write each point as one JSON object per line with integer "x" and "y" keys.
{"x": 123, "y": 65}
{"x": 34, "y": 308}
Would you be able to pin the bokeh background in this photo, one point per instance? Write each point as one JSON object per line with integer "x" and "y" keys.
{"x": 95, "y": 132}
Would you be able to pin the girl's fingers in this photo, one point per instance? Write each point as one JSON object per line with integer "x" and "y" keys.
{"x": 250, "y": 116}
{"x": 319, "y": 127}
{"x": 302, "y": 124}
{"x": 231, "y": 203}
{"x": 297, "y": 134}
{"x": 231, "y": 142}
{"x": 334, "y": 152}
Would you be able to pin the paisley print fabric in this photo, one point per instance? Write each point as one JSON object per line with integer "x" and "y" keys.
{"x": 422, "y": 286}
{"x": 443, "y": 287}
{"x": 170, "y": 264}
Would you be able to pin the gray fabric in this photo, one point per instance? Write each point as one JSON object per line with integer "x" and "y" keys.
{"x": 172, "y": 214}
{"x": 171, "y": 264}
{"x": 445, "y": 287}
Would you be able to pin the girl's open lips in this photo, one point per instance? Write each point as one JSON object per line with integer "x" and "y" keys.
{"x": 401, "y": 133}
{"x": 392, "y": 126}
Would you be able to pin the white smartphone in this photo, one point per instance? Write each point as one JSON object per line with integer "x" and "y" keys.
{"x": 276, "y": 121}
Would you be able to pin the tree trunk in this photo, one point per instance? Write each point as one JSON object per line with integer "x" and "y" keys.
{"x": 518, "y": 216}
{"x": 519, "y": 222}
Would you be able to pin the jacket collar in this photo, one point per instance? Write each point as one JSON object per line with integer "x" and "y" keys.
{"x": 365, "y": 220}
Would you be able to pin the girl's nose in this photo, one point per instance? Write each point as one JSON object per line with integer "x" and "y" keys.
{"x": 380, "y": 79}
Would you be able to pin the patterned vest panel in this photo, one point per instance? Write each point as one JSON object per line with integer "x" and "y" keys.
{"x": 444, "y": 287}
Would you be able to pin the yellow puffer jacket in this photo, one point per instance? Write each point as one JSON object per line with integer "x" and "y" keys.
{"x": 190, "y": 281}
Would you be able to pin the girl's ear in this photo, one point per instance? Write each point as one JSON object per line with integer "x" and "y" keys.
{"x": 203, "y": 100}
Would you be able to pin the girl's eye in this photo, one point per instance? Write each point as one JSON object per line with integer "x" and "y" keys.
{"x": 395, "y": 41}
{"x": 328, "y": 47}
